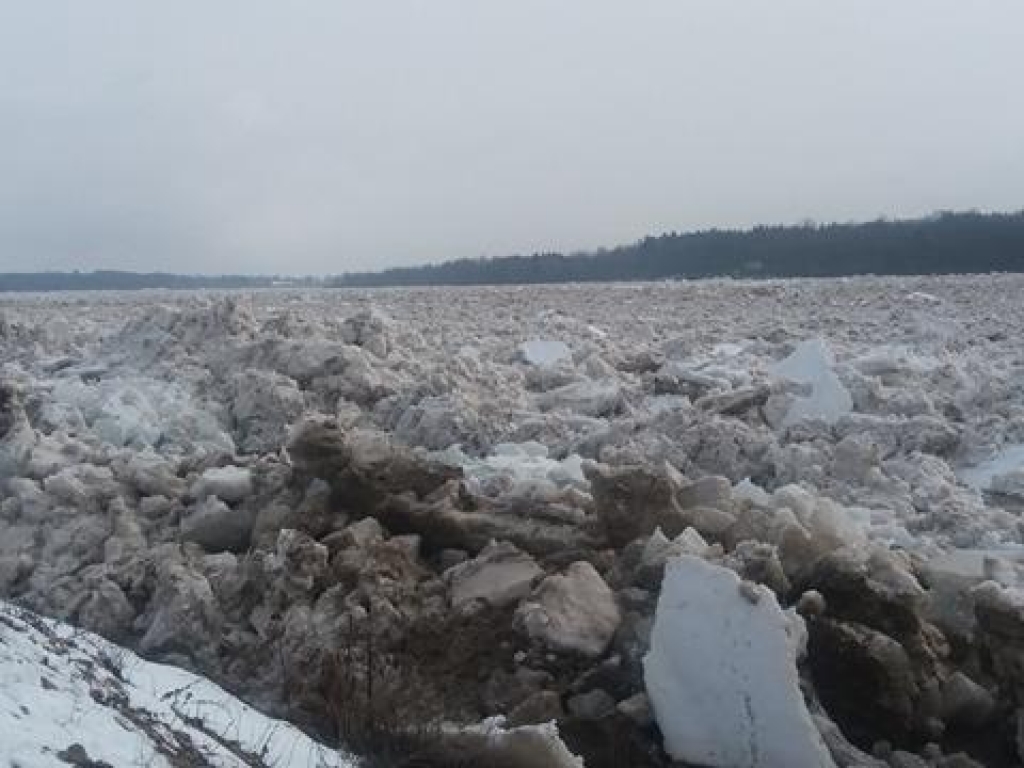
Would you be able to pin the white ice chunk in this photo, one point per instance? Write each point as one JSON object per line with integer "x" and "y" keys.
{"x": 893, "y": 361}
{"x": 998, "y": 472}
{"x": 543, "y": 352}
{"x": 811, "y": 364}
{"x": 727, "y": 349}
{"x": 518, "y": 469}
{"x": 588, "y": 398}
{"x": 750, "y": 491}
{"x": 1010, "y": 483}
{"x": 230, "y": 484}
{"x": 139, "y": 412}
{"x": 534, "y": 745}
{"x": 951, "y": 576}
{"x": 722, "y": 677}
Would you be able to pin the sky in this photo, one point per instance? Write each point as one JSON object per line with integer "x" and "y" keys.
{"x": 323, "y": 136}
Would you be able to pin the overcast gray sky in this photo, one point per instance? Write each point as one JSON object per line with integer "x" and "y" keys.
{"x": 317, "y": 136}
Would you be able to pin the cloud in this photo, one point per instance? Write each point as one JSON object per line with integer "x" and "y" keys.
{"x": 327, "y": 136}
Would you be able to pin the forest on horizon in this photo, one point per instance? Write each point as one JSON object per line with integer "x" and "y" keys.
{"x": 944, "y": 243}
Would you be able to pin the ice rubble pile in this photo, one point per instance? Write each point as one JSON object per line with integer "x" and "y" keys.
{"x": 490, "y": 483}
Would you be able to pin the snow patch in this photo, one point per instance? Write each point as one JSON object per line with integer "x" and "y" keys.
{"x": 60, "y": 686}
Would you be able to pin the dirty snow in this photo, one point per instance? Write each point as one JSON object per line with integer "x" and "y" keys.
{"x": 61, "y": 686}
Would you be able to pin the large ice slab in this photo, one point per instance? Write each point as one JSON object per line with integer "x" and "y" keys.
{"x": 721, "y": 674}
{"x": 811, "y": 364}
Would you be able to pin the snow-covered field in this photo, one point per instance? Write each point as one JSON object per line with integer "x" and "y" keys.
{"x": 885, "y": 414}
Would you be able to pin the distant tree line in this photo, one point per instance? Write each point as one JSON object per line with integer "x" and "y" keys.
{"x": 107, "y": 280}
{"x": 944, "y": 243}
